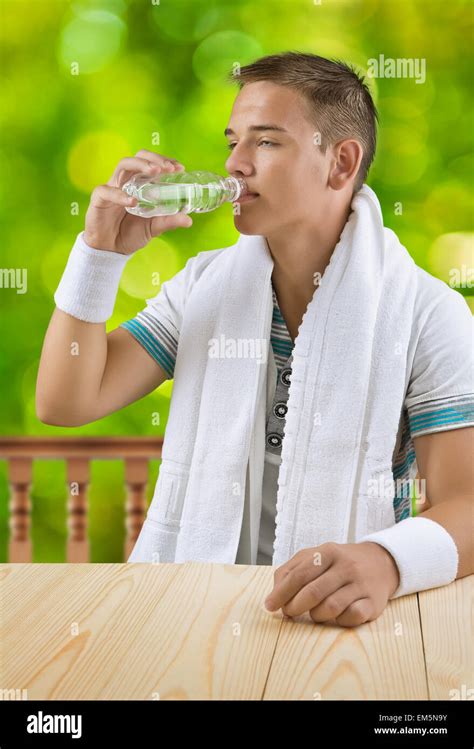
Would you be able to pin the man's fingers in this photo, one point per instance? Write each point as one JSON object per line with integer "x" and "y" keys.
{"x": 336, "y": 603}
{"x": 358, "y": 612}
{"x": 104, "y": 195}
{"x": 316, "y": 591}
{"x": 157, "y": 158}
{"x": 298, "y": 577}
{"x": 284, "y": 569}
{"x": 133, "y": 164}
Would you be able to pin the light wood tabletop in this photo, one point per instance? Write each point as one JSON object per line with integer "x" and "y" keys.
{"x": 200, "y": 631}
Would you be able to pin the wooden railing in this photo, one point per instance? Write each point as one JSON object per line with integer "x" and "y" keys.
{"x": 77, "y": 452}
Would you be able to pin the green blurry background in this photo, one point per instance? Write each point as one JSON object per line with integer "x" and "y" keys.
{"x": 152, "y": 76}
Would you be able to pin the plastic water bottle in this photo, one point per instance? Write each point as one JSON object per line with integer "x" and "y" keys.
{"x": 181, "y": 192}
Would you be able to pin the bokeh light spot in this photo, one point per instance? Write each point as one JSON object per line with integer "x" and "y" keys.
{"x": 450, "y": 257}
{"x": 149, "y": 268}
{"x": 91, "y": 40}
{"x": 93, "y": 158}
{"x": 217, "y": 54}
{"x": 187, "y": 24}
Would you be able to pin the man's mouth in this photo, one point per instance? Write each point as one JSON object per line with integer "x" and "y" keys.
{"x": 247, "y": 197}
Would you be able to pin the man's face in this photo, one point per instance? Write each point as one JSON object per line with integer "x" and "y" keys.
{"x": 284, "y": 166}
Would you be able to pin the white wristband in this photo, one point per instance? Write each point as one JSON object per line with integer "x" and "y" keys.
{"x": 90, "y": 281}
{"x": 424, "y": 551}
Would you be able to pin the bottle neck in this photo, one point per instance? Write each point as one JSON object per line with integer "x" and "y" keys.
{"x": 235, "y": 187}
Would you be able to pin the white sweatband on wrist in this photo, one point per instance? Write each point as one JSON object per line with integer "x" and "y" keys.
{"x": 89, "y": 284}
{"x": 424, "y": 551}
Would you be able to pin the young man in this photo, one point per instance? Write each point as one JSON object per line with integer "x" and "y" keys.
{"x": 367, "y": 360}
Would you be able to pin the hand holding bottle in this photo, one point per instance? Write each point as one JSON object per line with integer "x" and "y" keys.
{"x": 109, "y": 226}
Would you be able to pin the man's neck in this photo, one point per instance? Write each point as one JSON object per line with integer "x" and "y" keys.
{"x": 303, "y": 252}
{"x": 300, "y": 259}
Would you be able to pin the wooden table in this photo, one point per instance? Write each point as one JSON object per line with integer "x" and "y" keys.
{"x": 200, "y": 631}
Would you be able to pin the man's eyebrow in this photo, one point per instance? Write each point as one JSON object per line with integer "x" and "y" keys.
{"x": 257, "y": 128}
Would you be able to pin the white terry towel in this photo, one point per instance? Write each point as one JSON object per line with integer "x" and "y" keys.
{"x": 348, "y": 383}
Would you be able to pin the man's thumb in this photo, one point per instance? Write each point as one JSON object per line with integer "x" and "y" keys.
{"x": 160, "y": 224}
{"x": 186, "y": 220}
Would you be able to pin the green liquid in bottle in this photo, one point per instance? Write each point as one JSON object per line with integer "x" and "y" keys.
{"x": 181, "y": 192}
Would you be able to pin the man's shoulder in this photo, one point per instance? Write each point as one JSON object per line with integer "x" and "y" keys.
{"x": 440, "y": 383}
{"x": 435, "y": 299}
{"x": 442, "y": 336}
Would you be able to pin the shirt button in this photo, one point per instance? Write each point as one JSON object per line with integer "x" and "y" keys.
{"x": 285, "y": 376}
{"x": 280, "y": 410}
{"x": 274, "y": 439}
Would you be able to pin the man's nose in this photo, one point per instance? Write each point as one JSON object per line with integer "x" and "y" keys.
{"x": 239, "y": 161}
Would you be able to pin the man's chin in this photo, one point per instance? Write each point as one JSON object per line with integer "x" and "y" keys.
{"x": 247, "y": 225}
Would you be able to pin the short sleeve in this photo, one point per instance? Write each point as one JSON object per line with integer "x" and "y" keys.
{"x": 440, "y": 394}
{"x": 157, "y": 326}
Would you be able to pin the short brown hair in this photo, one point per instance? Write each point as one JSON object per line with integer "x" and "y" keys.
{"x": 341, "y": 105}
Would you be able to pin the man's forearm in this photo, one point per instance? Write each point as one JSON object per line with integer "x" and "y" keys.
{"x": 456, "y": 515}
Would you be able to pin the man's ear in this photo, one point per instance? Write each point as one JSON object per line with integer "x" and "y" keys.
{"x": 345, "y": 163}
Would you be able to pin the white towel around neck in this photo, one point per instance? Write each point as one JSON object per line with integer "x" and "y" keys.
{"x": 348, "y": 383}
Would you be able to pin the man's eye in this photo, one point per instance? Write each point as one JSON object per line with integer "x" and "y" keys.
{"x": 230, "y": 146}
